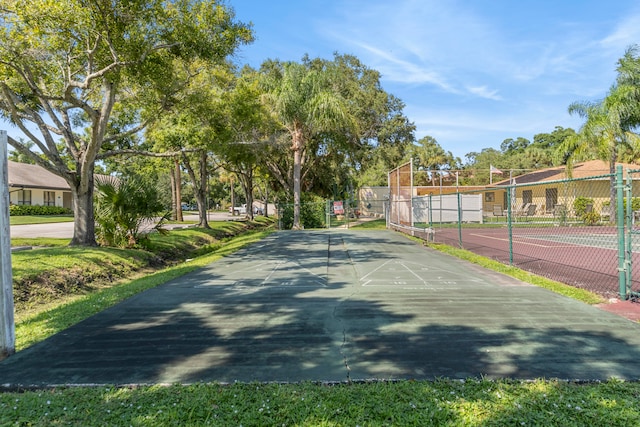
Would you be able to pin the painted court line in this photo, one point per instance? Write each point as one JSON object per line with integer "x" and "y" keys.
{"x": 503, "y": 239}
{"x": 443, "y": 277}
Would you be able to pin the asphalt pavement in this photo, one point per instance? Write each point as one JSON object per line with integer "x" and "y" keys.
{"x": 65, "y": 229}
{"x": 335, "y": 305}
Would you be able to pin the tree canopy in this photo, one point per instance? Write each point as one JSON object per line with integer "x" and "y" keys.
{"x": 93, "y": 73}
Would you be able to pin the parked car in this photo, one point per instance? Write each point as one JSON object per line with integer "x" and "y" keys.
{"x": 238, "y": 210}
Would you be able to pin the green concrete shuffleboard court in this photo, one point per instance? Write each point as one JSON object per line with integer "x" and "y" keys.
{"x": 331, "y": 306}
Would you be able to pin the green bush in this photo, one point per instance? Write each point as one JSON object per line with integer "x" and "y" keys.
{"x": 22, "y": 210}
{"x": 591, "y": 218}
{"x": 122, "y": 206}
{"x": 580, "y": 205}
{"x": 635, "y": 204}
{"x": 312, "y": 212}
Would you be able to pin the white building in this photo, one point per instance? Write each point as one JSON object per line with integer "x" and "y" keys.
{"x": 34, "y": 185}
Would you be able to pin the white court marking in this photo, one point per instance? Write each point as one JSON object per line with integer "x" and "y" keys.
{"x": 269, "y": 272}
{"x": 404, "y": 273}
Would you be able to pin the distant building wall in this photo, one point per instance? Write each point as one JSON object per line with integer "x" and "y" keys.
{"x": 372, "y": 201}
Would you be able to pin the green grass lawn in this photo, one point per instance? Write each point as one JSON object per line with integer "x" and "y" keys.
{"x": 39, "y": 219}
{"x": 474, "y": 402}
{"x": 442, "y": 402}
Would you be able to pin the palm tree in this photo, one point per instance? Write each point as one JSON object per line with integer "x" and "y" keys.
{"x": 604, "y": 135}
{"x": 306, "y": 104}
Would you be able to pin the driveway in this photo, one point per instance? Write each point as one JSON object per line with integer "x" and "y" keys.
{"x": 65, "y": 229}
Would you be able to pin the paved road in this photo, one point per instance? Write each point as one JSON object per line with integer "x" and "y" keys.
{"x": 65, "y": 229}
{"x": 332, "y": 306}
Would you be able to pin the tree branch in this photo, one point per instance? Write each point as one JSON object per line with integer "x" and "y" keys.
{"x": 113, "y": 153}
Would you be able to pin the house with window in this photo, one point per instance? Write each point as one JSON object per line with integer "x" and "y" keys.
{"x": 34, "y": 185}
{"x": 554, "y": 189}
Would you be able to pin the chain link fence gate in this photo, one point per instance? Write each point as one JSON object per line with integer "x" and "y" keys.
{"x": 630, "y": 289}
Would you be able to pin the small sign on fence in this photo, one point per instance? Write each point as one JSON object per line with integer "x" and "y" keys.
{"x": 338, "y": 208}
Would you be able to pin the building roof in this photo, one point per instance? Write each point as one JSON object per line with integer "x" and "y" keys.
{"x": 591, "y": 168}
{"x": 23, "y": 175}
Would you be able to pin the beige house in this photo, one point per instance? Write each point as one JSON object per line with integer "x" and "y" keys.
{"x": 553, "y": 188}
{"x": 34, "y": 185}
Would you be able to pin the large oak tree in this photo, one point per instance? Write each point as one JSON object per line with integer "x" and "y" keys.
{"x": 91, "y": 73}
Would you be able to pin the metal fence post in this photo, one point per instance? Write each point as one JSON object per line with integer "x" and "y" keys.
{"x": 510, "y": 190}
{"x": 327, "y": 210}
{"x": 628, "y": 254}
{"x": 622, "y": 276}
{"x": 7, "y": 321}
{"x": 430, "y": 210}
{"x": 459, "y": 219}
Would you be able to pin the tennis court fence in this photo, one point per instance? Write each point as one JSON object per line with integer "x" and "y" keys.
{"x": 583, "y": 232}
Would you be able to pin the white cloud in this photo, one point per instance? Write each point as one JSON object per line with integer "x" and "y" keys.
{"x": 473, "y": 73}
{"x": 624, "y": 34}
{"x": 484, "y": 92}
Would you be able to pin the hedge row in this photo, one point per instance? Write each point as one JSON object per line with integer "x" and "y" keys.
{"x": 19, "y": 210}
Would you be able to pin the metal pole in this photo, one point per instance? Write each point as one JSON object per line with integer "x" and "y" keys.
{"x": 327, "y": 209}
{"x": 440, "y": 198}
{"x": 628, "y": 255}
{"x": 510, "y": 190}
{"x": 430, "y": 210}
{"x": 411, "y": 194}
{"x": 459, "y": 219}
{"x": 622, "y": 285}
{"x": 7, "y": 322}
{"x": 399, "y": 194}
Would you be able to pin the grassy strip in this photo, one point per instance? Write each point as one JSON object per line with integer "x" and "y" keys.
{"x": 374, "y": 224}
{"x": 39, "y": 241}
{"x": 444, "y": 402}
{"x": 39, "y": 219}
{"x": 34, "y": 326}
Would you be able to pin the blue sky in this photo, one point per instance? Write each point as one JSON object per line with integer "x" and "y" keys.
{"x": 472, "y": 73}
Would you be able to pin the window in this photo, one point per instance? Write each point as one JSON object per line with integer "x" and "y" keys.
{"x": 551, "y": 196}
{"x": 527, "y": 196}
{"x": 489, "y": 197}
{"x": 49, "y": 198}
{"x": 24, "y": 197}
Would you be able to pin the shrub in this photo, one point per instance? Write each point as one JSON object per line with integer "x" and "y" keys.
{"x": 580, "y": 205}
{"x": 312, "y": 212}
{"x": 122, "y": 207}
{"x": 591, "y": 218}
{"x": 635, "y": 204}
{"x": 22, "y": 210}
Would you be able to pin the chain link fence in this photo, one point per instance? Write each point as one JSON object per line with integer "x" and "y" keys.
{"x": 583, "y": 232}
{"x": 323, "y": 214}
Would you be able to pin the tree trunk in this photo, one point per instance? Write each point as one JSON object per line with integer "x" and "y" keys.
{"x": 247, "y": 184}
{"x": 199, "y": 185}
{"x": 233, "y": 199}
{"x": 178, "y": 180}
{"x": 201, "y": 191}
{"x": 84, "y": 231}
{"x": 174, "y": 201}
{"x": 297, "y": 168}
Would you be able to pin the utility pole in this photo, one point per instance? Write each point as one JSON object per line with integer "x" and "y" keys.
{"x": 7, "y": 325}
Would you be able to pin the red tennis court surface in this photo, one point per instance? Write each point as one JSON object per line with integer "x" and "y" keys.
{"x": 583, "y": 258}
